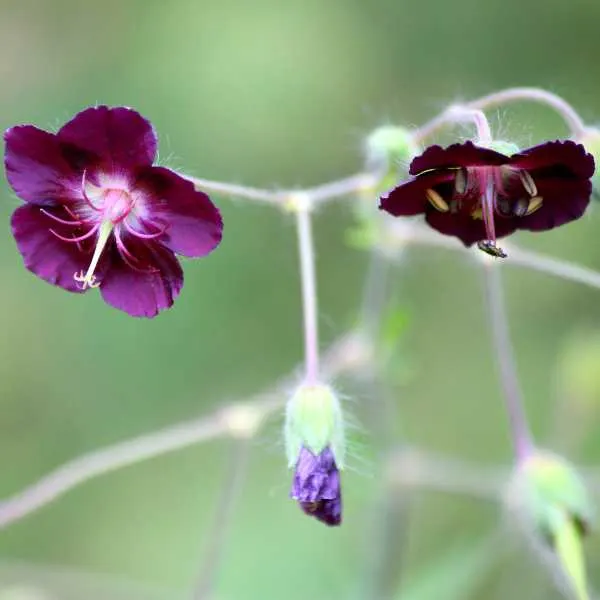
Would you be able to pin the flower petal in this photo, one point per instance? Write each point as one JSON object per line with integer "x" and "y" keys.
{"x": 467, "y": 229}
{"x": 410, "y": 198}
{"x": 193, "y": 222}
{"x": 36, "y": 167}
{"x": 564, "y": 201}
{"x": 456, "y": 155}
{"x": 43, "y": 253}
{"x": 149, "y": 288}
{"x": 118, "y": 137}
{"x": 556, "y": 159}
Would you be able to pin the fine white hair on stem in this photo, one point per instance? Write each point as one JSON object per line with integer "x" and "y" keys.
{"x": 344, "y": 355}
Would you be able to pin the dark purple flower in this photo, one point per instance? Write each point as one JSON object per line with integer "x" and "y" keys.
{"x": 479, "y": 195}
{"x": 97, "y": 213}
{"x": 316, "y": 486}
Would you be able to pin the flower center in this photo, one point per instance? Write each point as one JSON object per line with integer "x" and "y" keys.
{"x": 110, "y": 207}
{"x": 484, "y": 192}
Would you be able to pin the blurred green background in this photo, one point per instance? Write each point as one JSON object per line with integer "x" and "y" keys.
{"x": 276, "y": 93}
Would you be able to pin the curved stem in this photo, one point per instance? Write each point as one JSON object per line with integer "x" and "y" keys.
{"x": 521, "y": 435}
{"x": 561, "y": 106}
{"x": 308, "y": 282}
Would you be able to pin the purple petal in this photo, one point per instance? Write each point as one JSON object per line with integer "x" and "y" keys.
{"x": 148, "y": 288}
{"x": 120, "y": 138}
{"x": 467, "y": 229}
{"x": 556, "y": 159}
{"x": 36, "y": 167}
{"x": 409, "y": 198}
{"x": 316, "y": 486}
{"x": 456, "y": 155}
{"x": 43, "y": 253}
{"x": 193, "y": 223}
{"x": 564, "y": 201}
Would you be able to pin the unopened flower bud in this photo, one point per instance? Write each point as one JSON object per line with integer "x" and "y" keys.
{"x": 389, "y": 150}
{"x": 543, "y": 483}
{"x": 551, "y": 501}
{"x": 315, "y": 444}
{"x": 591, "y": 141}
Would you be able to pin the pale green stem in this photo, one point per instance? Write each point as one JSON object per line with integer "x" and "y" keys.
{"x": 308, "y": 282}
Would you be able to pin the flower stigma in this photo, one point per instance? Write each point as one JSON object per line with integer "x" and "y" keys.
{"x": 88, "y": 279}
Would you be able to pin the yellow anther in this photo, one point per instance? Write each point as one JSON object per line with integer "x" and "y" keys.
{"x": 534, "y": 204}
{"x": 477, "y": 213}
{"x": 436, "y": 200}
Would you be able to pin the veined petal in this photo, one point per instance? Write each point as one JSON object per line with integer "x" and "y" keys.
{"x": 119, "y": 137}
{"x": 36, "y": 167}
{"x": 193, "y": 225}
{"x": 43, "y": 253}
{"x": 144, "y": 284}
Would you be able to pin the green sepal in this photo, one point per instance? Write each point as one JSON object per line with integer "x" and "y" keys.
{"x": 314, "y": 420}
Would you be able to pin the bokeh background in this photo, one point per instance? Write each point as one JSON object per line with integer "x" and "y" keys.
{"x": 278, "y": 93}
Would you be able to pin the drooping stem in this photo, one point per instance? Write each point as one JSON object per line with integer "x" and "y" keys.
{"x": 456, "y": 114}
{"x": 308, "y": 282}
{"x": 520, "y": 432}
{"x": 561, "y": 106}
{"x": 221, "y": 521}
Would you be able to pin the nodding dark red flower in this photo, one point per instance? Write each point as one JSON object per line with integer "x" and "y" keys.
{"x": 478, "y": 194}
{"x": 316, "y": 486}
{"x": 97, "y": 213}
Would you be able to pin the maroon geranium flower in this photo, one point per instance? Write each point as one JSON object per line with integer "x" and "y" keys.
{"x": 316, "y": 486}
{"x": 478, "y": 194}
{"x": 97, "y": 213}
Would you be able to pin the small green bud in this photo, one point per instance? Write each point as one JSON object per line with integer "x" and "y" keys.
{"x": 507, "y": 148}
{"x": 591, "y": 141}
{"x": 314, "y": 420}
{"x": 544, "y": 483}
{"x": 389, "y": 150}
{"x": 552, "y": 502}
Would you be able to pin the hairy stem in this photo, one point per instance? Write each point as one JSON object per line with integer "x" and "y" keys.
{"x": 308, "y": 282}
{"x": 344, "y": 356}
{"x": 354, "y": 184}
{"x": 503, "y": 351}
{"x": 561, "y": 106}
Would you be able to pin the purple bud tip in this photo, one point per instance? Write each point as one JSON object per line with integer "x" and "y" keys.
{"x": 316, "y": 486}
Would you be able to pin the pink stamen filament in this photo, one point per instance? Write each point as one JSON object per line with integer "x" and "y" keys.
{"x": 59, "y": 220}
{"x": 144, "y": 236}
{"x": 85, "y": 236}
{"x": 128, "y": 257}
